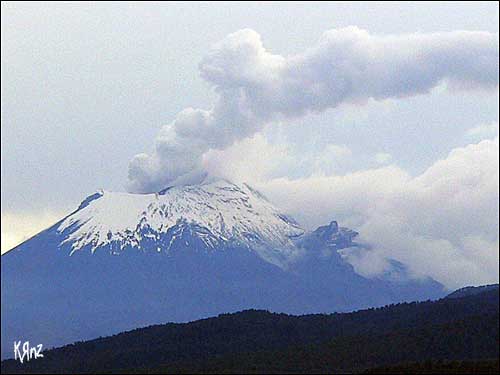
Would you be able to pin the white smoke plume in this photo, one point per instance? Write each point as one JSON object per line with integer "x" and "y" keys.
{"x": 348, "y": 65}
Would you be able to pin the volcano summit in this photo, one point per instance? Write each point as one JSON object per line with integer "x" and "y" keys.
{"x": 122, "y": 261}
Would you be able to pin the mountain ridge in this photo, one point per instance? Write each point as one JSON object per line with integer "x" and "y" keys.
{"x": 196, "y": 273}
{"x": 472, "y": 290}
{"x": 273, "y": 342}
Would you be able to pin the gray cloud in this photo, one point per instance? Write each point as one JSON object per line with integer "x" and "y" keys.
{"x": 348, "y": 65}
{"x": 442, "y": 223}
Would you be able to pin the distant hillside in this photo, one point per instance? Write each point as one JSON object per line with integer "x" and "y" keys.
{"x": 472, "y": 290}
{"x": 449, "y": 329}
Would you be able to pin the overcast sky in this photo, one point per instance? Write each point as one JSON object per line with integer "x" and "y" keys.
{"x": 87, "y": 87}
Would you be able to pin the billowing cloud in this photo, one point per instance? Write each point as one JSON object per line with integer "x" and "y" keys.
{"x": 442, "y": 223}
{"x": 348, "y": 65}
{"x": 483, "y": 131}
{"x": 261, "y": 160}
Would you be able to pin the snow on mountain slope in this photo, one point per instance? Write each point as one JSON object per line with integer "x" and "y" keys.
{"x": 228, "y": 214}
{"x": 185, "y": 253}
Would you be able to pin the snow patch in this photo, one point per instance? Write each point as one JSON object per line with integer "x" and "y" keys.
{"x": 228, "y": 212}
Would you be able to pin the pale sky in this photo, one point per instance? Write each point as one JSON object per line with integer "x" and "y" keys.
{"x": 87, "y": 86}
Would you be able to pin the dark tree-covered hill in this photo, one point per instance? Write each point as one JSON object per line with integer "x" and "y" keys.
{"x": 450, "y": 329}
{"x": 471, "y": 290}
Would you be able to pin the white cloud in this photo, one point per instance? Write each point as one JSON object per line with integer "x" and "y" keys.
{"x": 443, "y": 223}
{"x": 483, "y": 131}
{"x": 383, "y": 157}
{"x": 255, "y": 160}
{"x": 348, "y": 65}
{"x": 330, "y": 158}
{"x": 249, "y": 160}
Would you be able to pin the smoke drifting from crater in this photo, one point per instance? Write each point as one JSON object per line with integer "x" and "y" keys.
{"x": 349, "y": 65}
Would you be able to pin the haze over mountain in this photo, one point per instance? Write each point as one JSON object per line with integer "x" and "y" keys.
{"x": 122, "y": 261}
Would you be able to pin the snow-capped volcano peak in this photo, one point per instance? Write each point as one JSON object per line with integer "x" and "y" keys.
{"x": 216, "y": 213}
{"x": 181, "y": 254}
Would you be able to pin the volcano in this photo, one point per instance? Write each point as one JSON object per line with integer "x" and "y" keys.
{"x": 122, "y": 261}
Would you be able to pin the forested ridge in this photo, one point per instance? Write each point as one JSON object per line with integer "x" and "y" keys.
{"x": 420, "y": 335}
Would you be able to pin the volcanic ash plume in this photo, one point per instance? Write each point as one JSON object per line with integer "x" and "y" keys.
{"x": 348, "y": 65}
